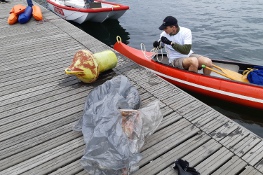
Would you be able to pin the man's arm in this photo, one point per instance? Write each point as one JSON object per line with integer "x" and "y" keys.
{"x": 183, "y": 49}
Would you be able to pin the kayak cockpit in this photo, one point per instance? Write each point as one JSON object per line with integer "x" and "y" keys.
{"x": 162, "y": 59}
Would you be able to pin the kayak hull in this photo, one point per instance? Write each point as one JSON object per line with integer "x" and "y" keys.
{"x": 245, "y": 94}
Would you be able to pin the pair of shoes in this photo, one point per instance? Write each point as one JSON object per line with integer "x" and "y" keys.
{"x": 3, "y": 1}
{"x": 183, "y": 168}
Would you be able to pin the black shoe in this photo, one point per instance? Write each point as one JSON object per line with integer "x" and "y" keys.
{"x": 183, "y": 168}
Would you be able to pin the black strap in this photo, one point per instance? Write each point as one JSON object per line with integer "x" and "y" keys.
{"x": 182, "y": 166}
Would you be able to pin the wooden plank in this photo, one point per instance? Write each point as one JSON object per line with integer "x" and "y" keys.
{"x": 28, "y": 92}
{"x": 204, "y": 119}
{"x": 242, "y": 147}
{"x": 149, "y": 100}
{"x": 37, "y": 112}
{"x": 249, "y": 170}
{"x": 173, "y": 99}
{"x": 126, "y": 63}
{"x": 168, "y": 158}
{"x": 38, "y": 95}
{"x": 168, "y": 171}
{"x": 224, "y": 130}
{"x": 202, "y": 152}
{"x": 29, "y": 36}
{"x": 26, "y": 82}
{"x": 65, "y": 132}
{"x": 34, "y": 151}
{"x": 259, "y": 165}
{"x": 167, "y": 144}
{"x": 10, "y": 78}
{"x": 214, "y": 161}
{"x": 39, "y": 131}
{"x": 70, "y": 169}
{"x": 14, "y": 37}
{"x": 160, "y": 91}
{"x": 42, "y": 158}
{"x": 148, "y": 80}
{"x": 163, "y": 93}
{"x": 233, "y": 166}
{"x": 63, "y": 164}
{"x": 27, "y": 127}
{"x": 165, "y": 133}
{"x": 47, "y": 42}
{"x": 48, "y": 65}
{"x": 183, "y": 105}
{"x": 43, "y": 103}
{"x": 196, "y": 156}
{"x": 146, "y": 95}
{"x": 32, "y": 58}
{"x": 212, "y": 125}
{"x": 52, "y": 46}
{"x": 139, "y": 88}
{"x": 199, "y": 112}
{"x": 234, "y": 137}
{"x": 255, "y": 154}
{"x": 166, "y": 111}
{"x": 167, "y": 120}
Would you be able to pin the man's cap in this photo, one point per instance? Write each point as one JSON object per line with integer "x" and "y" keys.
{"x": 168, "y": 21}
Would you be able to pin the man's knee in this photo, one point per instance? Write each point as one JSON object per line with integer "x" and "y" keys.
{"x": 190, "y": 62}
{"x": 194, "y": 61}
{"x": 208, "y": 62}
{"x": 204, "y": 60}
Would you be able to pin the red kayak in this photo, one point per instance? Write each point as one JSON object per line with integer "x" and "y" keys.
{"x": 215, "y": 85}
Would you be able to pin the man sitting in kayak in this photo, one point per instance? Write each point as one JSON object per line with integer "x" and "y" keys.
{"x": 177, "y": 41}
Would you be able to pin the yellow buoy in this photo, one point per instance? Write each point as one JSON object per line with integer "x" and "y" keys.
{"x": 87, "y": 66}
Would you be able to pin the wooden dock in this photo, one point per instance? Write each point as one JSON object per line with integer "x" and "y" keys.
{"x": 39, "y": 105}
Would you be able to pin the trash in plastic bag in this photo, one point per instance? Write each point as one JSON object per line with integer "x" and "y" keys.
{"x": 151, "y": 117}
{"x": 113, "y": 129}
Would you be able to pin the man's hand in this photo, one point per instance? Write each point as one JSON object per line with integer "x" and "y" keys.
{"x": 156, "y": 44}
{"x": 165, "y": 40}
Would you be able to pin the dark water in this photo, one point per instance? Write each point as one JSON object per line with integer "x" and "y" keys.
{"x": 229, "y": 30}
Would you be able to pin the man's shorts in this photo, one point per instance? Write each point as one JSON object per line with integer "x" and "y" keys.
{"x": 178, "y": 62}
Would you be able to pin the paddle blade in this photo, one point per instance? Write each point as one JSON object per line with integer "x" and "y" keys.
{"x": 232, "y": 75}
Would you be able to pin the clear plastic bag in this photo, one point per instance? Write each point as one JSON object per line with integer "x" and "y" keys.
{"x": 151, "y": 117}
{"x": 112, "y": 128}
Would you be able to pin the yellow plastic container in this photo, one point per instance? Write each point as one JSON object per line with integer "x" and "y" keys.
{"x": 107, "y": 60}
{"x": 87, "y": 66}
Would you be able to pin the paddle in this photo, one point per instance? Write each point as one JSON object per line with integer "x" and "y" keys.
{"x": 228, "y": 73}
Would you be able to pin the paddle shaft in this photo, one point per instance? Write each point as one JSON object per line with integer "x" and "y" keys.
{"x": 220, "y": 73}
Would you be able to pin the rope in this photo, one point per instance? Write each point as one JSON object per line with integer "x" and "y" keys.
{"x": 118, "y": 38}
{"x": 246, "y": 72}
{"x": 154, "y": 52}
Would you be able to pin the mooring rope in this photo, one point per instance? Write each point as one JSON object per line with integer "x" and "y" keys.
{"x": 154, "y": 52}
